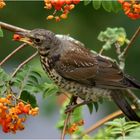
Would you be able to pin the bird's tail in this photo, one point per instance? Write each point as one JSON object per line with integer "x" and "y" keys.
{"x": 131, "y": 82}
{"x": 123, "y": 104}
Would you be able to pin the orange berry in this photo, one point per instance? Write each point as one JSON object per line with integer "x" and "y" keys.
{"x": 57, "y": 18}
{"x": 2, "y": 4}
{"x": 81, "y": 122}
{"x": 48, "y": 6}
{"x": 68, "y": 1}
{"x": 67, "y": 7}
{"x": 9, "y": 96}
{"x": 121, "y": 1}
{"x": 47, "y": 1}
{"x": 1, "y": 105}
{"x": 64, "y": 16}
{"x": 21, "y": 104}
{"x": 76, "y": 1}
{"x": 26, "y": 108}
{"x": 72, "y": 6}
{"x": 50, "y": 17}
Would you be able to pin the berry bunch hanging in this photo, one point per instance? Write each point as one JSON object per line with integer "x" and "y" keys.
{"x": 13, "y": 113}
{"x": 2, "y": 4}
{"x": 131, "y": 8}
{"x": 74, "y": 127}
{"x": 64, "y": 6}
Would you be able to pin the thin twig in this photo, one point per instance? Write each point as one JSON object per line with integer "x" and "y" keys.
{"x": 12, "y": 53}
{"x": 23, "y": 63}
{"x": 11, "y": 28}
{"x": 131, "y": 41}
{"x": 102, "y": 121}
{"x": 65, "y": 125}
{"x": 101, "y": 51}
{"x": 72, "y": 101}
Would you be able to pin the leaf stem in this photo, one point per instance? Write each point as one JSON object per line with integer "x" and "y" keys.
{"x": 12, "y": 53}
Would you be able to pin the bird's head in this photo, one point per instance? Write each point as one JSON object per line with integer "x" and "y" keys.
{"x": 38, "y": 38}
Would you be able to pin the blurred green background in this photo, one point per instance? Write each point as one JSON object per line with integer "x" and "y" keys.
{"x": 84, "y": 24}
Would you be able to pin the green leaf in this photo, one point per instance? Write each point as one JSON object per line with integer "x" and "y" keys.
{"x": 86, "y": 2}
{"x": 107, "y": 5}
{"x": 77, "y": 114}
{"x": 116, "y": 6}
{"x": 4, "y": 79}
{"x": 90, "y": 107}
{"x": 27, "y": 97}
{"x": 60, "y": 124}
{"x": 96, "y": 4}
{"x": 1, "y": 33}
{"x": 113, "y": 123}
{"x": 33, "y": 81}
{"x": 86, "y": 137}
{"x": 49, "y": 89}
{"x": 96, "y": 106}
{"x": 111, "y": 36}
{"x": 106, "y": 46}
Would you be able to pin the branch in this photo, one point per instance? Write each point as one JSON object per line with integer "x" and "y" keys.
{"x": 131, "y": 42}
{"x": 11, "y": 27}
{"x": 72, "y": 102}
{"x": 12, "y": 53}
{"x": 65, "y": 125}
{"x": 23, "y": 63}
{"x": 101, "y": 122}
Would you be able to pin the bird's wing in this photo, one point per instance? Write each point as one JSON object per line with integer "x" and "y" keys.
{"x": 79, "y": 64}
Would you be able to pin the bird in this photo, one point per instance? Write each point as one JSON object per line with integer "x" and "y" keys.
{"x": 79, "y": 71}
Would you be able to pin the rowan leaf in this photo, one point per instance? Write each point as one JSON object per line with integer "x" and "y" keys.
{"x": 107, "y": 5}
{"x": 96, "y": 4}
{"x": 90, "y": 107}
{"x": 86, "y": 2}
{"x": 29, "y": 98}
{"x": 4, "y": 79}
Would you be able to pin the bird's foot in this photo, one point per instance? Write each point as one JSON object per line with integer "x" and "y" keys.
{"x": 71, "y": 107}
{"x": 73, "y": 102}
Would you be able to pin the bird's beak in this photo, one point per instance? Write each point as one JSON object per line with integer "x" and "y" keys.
{"x": 23, "y": 37}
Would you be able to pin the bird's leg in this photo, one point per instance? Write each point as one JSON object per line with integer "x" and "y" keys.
{"x": 132, "y": 97}
{"x": 71, "y": 107}
{"x": 73, "y": 102}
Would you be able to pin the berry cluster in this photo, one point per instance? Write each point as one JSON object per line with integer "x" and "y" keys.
{"x": 74, "y": 127}
{"x": 2, "y": 4}
{"x": 13, "y": 113}
{"x": 131, "y": 8}
{"x": 64, "y": 6}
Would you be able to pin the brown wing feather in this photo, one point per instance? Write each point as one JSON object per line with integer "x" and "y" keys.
{"x": 79, "y": 64}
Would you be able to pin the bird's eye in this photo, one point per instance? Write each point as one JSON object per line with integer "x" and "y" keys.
{"x": 37, "y": 40}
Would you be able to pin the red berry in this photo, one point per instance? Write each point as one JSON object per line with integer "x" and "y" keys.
{"x": 16, "y": 37}
{"x": 68, "y": 1}
{"x": 75, "y": 1}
